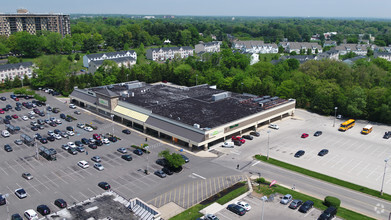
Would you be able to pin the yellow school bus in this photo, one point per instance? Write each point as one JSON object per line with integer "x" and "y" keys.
{"x": 347, "y": 124}
{"x": 367, "y": 129}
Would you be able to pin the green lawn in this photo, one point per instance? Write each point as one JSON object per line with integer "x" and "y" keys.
{"x": 325, "y": 177}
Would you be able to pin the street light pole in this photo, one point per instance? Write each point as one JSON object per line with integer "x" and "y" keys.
{"x": 384, "y": 174}
{"x": 112, "y": 124}
{"x": 335, "y": 115}
{"x": 268, "y": 144}
{"x": 196, "y": 79}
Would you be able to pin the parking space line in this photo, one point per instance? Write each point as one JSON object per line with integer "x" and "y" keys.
{"x": 370, "y": 173}
{"x": 223, "y": 182}
{"x": 155, "y": 203}
{"x": 312, "y": 209}
{"x": 174, "y": 195}
{"x": 202, "y": 191}
{"x": 383, "y": 152}
{"x": 388, "y": 181}
{"x": 42, "y": 183}
{"x": 380, "y": 176}
{"x": 75, "y": 200}
{"x": 50, "y": 181}
{"x": 214, "y": 181}
{"x": 93, "y": 193}
{"x": 224, "y": 216}
{"x": 192, "y": 195}
{"x": 355, "y": 167}
{"x": 338, "y": 162}
{"x": 342, "y": 167}
{"x": 165, "y": 198}
{"x": 59, "y": 177}
{"x": 184, "y": 196}
{"x": 11, "y": 167}
{"x": 188, "y": 195}
{"x": 358, "y": 174}
{"x": 170, "y": 196}
{"x": 4, "y": 170}
{"x": 33, "y": 186}
{"x": 86, "y": 197}
{"x": 160, "y": 200}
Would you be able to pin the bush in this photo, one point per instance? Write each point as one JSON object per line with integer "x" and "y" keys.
{"x": 332, "y": 201}
{"x": 260, "y": 180}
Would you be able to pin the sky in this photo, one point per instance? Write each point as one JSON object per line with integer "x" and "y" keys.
{"x": 285, "y": 8}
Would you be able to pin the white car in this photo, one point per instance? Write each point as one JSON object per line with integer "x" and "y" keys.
{"x": 98, "y": 166}
{"x": 72, "y": 106}
{"x": 83, "y": 164}
{"x": 89, "y": 129}
{"x": 70, "y": 133}
{"x": 274, "y": 126}
{"x": 57, "y": 136}
{"x": 96, "y": 159}
{"x": 20, "y": 193}
{"x": 5, "y": 133}
{"x": 80, "y": 125}
{"x": 228, "y": 144}
{"x": 25, "y": 118}
{"x": 31, "y": 117}
{"x": 71, "y": 144}
{"x": 31, "y": 214}
{"x": 106, "y": 141}
{"x": 244, "y": 205}
{"x": 58, "y": 121}
{"x": 32, "y": 113}
{"x": 64, "y": 135}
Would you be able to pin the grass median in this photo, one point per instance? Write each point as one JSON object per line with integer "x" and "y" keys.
{"x": 194, "y": 212}
{"x": 342, "y": 212}
{"x": 323, "y": 177}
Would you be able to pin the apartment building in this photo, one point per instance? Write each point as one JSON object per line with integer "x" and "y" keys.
{"x": 168, "y": 53}
{"x": 252, "y": 46}
{"x": 210, "y": 47}
{"x": 87, "y": 59}
{"x": 16, "y": 69}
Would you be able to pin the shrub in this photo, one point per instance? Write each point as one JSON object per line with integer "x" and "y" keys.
{"x": 260, "y": 180}
{"x": 332, "y": 201}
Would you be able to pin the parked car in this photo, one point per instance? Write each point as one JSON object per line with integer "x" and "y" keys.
{"x": 83, "y": 164}
{"x": 286, "y": 199}
{"x": 43, "y": 209}
{"x": 126, "y": 131}
{"x": 323, "y": 152}
{"x": 167, "y": 171}
{"x": 138, "y": 152}
{"x": 387, "y": 135}
{"x": 160, "y": 174}
{"x": 236, "y": 209}
{"x": 299, "y": 153}
{"x": 21, "y": 193}
{"x": 92, "y": 146}
{"x": 7, "y": 148}
{"x": 162, "y": 162}
{"x": 77, "y": 112}
{"x": 237, "y": 138}
{"x": 307, "y": 205}
{"x": 16, "y": 216}
{"x": 295, "y": 204}
{"x": 27, "y": 176}
{"x": 317, "y": 133}
{"x": 122, "y": 150}
{"x": 60, "y": 203}
{"x": 339, "y": 116}
{"x": 274, "y": 126}
{"x": 65, "y": 146}
{"x": 72, "y": 151}
{"x": 96, "y": 136}
{"x": 304, "y": 135}
{"x": 237, "y": 143}
{"x": 25, "y": 118}
{"x": 185, "y": 158}
{"x": 210, "y": 217}
{"x": 127, "y": 157}
{"x": 113, "y": 139}
{"x": 248, "y": 137}
{"x": 228, "y": 144}
{"x": 254, "y": 133}
{"x": 18, "y": 142}
{"x": 3, "y": 201}
{"x": 30, "y": 214}
{"x": 85, "y": 141}
{"x": 105, "y": 141}
{"x": 72, "y": 106}
{"x": 80, "y": 125}
{"x": 99, "y": 166}
{"x": 88, "y": 128}
{"x": 104, "y": 185}
{"x": 15, "y": 116}
{"x": 96, "y": 159}
{"x": 51, "y": 138}
{"x": 328, "y": 214}
{"x": 244, "y": 205}
{"x": 62, "y": 115}
{"x": 69, "y": 128}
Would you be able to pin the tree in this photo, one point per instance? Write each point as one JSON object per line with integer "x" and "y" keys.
{"x": 77, "y": 56}
{"x": 370, "y": 52}
{"x": 309, "y": 51}
{"x": 281, "y": 49}
{"x": 174, "y": 160}
{"x": 12, "y": 59}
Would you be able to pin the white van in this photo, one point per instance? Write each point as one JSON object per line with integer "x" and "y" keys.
{"x": 228, "y": 144}
{"x": 5, "y": 133}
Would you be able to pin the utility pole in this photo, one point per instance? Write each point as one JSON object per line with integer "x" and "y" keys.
{"x": 335, "y": 115}
{"x": 268, "y": 144}
{"x": 384, "y": 174}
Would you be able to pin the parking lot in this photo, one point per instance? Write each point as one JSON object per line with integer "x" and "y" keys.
{"x": 352, "y": 156}
{"x": 64, "y": 179}
{"x": 271, "y": 210}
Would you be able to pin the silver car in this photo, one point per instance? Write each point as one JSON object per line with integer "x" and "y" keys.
{"x": 286, "y": 199}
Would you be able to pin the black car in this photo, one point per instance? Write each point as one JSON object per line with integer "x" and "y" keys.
{"x": 49, "y": 108}
{"x": 236, "y": 209}
{"x": 138, "y": 152}
{"x": 8, "y": 106}
{"x": 2, "y": 200}
{"x": 323, "y": 152}
{"x": 51, "y": 138}
{"x": 72, "y": 151}
{"x": 185, "y": 158}
{"x": 248, "y": 137}
{"x": 328, "y": 214}
{"x": 70, "y": 128}
{"x": 98, "y": 143}
{"x": 62, "y": 115}
{"x": 40, "y": 122}
{"x": 68, "y": 119}
{"x": 3, "y": 98}
{"x": 78, "y": 143}
{"x": 387, "y": 135}
{"x": 57, "y": 131}
{"x": 126, "y": 131}
{"x": 318, "y": 133}
{"x": 6, "y": 121}
{"x": 162, "y": 162}
{"x": 127, "y": 157}
{"x": 299, "y": 153}
{"x": 237, "y": 142}
{"x": 44, "y": 140}
{"x": 8, "y": 117}
{"x": 43, "y": 209}
{"x": 85, "y": 141}
{"x": 60, "y": 203}
{"x": 17, "y": 108}
{"x": 92, "y": 146}
{"x": 55, "y": 110}
{"x": 16, "y": 216}
{"x": 34, "y": 128}
{"x": 254, "y": 133}
{"x": 104, "y": 185}
{"x": 113, "y": 139}
{"x": 41, "y": 114}
{"x": 167, "y": 171}
{"x": 307, "y": 205}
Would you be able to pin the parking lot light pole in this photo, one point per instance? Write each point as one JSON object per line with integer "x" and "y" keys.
{"x": 268, "y": 144}
{"x": 112, "y": 118}
{"x": 335, "y": 115}
{"x": 384, "y": 174}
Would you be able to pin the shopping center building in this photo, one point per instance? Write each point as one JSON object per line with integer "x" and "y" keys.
{"x": 195, "y": 117}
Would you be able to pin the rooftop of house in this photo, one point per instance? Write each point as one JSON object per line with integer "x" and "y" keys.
{"x": 15, "y": 66}
{"x": 202, "y": 104}
{"x": 117, "y": 60}
{"x": 109, "y": 54}
{"x": 171, "y": 48}
{"x": 253, "y": 43}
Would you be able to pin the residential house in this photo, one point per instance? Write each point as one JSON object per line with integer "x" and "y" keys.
{"x": 254, "y": 58}
{"x": 299, "y": 46}
{"x": 330, "y": 43}
{"x": 351, "y": 61}
{"x": 16, "y": 69}
{"x": 165, "y": 53}
{"x": 108, "y": 56}
{"x": 315, "y": 37}
{"x": 210, "y": 47}
{"x": 384, "y": 55}
{"x": 328, "y": 55}
{"x": 255, "y": 47}
{"x": 359, "y": 49}
{"x": 328, "y": 35}
{"x": 122, "y": 61}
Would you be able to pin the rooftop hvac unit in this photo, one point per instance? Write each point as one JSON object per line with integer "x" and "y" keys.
{"x": 257, "y": 99}
{"x": 132, "y": 94}
{"x": 133, "y": 85}
{"x": 266, "y": 97}
{"x": 274, "y": 98}
{"x": 124, "y": 94}
{"x": 196, "y": 126}
{"x": 220, "y": 96}
{"x": 213, "y": 87}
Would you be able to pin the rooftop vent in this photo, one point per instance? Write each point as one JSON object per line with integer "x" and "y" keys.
{"x": 220, "y": 96}
{"x": 133, "y": 85}
{"x": 274, "y": 98}
{"x": 196, "y": 126}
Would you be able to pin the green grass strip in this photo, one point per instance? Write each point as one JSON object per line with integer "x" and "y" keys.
{"x": 325, "y": 178}
{"x": 193, "y": 212}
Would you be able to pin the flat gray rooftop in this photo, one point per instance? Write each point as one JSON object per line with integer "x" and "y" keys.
{"x": 189, "y": 105}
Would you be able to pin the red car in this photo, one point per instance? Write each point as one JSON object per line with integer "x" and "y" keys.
{"x": 238, "y": 139}
{"x": 15, "y": 116}
{"x": 304, "y": 135}
{"x": 2, "y": 111}
{"x": 16, "y": 99}
{"x": 96, "y": 136}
